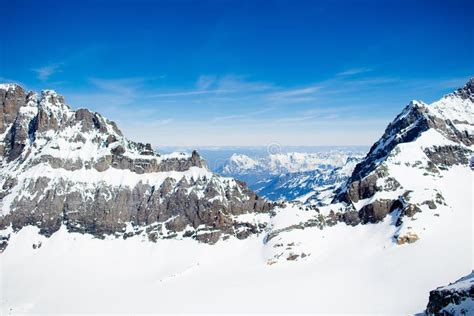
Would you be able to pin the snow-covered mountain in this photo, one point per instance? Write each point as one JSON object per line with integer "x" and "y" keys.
{"x": 288, "y": 176}
{"x": 402, "y": 172}
{"x": 75, "y": 168}
{"x": 411, "y": 198}
{"x": 306, "y": 186}
{"x": 281, "y": 163}
{"x": 399, "y": 226}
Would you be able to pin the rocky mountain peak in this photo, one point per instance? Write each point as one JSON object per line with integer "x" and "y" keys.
{"x": 10, "y": 86}
{"x": 61, "y": 166}
{"x": 52, "y": 93}
{"x": 12, "y": 97}
{"x": 51, "y": 99}
{"x": 445, "y": 116}
{"x": 423, "y": 139}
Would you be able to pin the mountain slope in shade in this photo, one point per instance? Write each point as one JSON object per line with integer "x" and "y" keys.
{"x": 75, "y": 168}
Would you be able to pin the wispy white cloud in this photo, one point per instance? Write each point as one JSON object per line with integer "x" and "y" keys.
{"x": 298, "y": 92}
{"x": 244, "y": 116}
{"x": 205, "y": 82}
{"x": 449, "y": 83}
{"x": 165, "y": 121}
{"x": 211, "y": 85}
{"x": 43, "y": 73}
{"x": 354, "y": 71}
{"x": 97, "y": 100}
{"x": 235, "y": 110}
{"x": 119, "y": 97}
{"x": 241, "y": 84}
{"x": 229, "y": 117}
{"x": 121, "y": 86}
{"x": 186, "y": 93}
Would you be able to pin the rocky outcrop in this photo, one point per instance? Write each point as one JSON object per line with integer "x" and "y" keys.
{"x": 446, "y": 156}
{"x": 376, "y": 211}
{"x": 467, "y": 92}
{"x": 75, "y": 168}
{"x": 454, "y": 299}
{"x": 408, "y": 238}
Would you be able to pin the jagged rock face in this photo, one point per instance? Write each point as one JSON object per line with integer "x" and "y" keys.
{"x": 10, "y": 102}
{"x": 376, "y": 211}
{"x": 75, "y": 168}
{"x": 427, "y": 139}
{"x": 454, "y": 299}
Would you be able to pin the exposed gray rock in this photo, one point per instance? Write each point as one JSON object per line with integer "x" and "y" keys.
{"x": 377, "y": 210}
{"x": 467, "y": 92}
{"x": 406, "y": 210}
{"x": 10, "y": 102}
{"x": 447, "y": 156}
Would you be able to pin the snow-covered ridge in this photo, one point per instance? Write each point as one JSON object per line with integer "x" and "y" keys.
{"x": 240, "y": 162}
{"x": 8, "y": 86}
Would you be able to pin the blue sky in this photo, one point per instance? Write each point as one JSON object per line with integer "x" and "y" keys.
{"x": 196, "y": 73}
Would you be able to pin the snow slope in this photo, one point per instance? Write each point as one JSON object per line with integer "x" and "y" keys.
{"x": 349, "y": 270}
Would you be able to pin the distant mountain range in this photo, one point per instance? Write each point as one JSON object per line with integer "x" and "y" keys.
{"x": 294, "y": 175}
